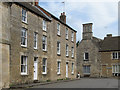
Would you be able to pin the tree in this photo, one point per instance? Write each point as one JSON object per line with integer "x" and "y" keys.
{"x": 77, "y": 44}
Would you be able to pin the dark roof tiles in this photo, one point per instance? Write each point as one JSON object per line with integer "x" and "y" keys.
{"x": 110, "y": 44}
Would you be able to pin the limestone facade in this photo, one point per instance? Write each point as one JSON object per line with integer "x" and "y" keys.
{"x": 13, "y": 52}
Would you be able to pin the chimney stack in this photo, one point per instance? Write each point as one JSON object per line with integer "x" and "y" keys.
{"x": 34, "y": 3}
{"x": 109, "y": 35}
{"x": 87, "y": 31}
{"x": 63, "y": 17}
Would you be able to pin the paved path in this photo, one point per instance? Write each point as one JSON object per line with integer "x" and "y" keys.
{"x": 84, "y": 83}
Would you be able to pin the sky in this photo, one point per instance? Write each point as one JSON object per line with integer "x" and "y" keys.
{"x": 102, "y": 13}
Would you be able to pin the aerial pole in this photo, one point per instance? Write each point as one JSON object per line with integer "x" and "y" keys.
{"x": 63, "y": 5}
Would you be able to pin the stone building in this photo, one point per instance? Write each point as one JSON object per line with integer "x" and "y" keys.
{"x": 110, "y": 56}
{"x": 96, "y": 57}
{"x": 88, "y": 57}
{"x": 34, "y": 45}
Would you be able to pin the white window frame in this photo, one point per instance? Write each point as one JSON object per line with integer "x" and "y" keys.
{"x": 72, "y": 36}
{"x": 72, "y": 51}
{"x": 25, "y": 65}
{"x": 116, "y": 68}
{"x": 25, "y": 37}
{"x": 24, "y": 15}
{"x": 58, "y": 48}
{"x": 45, "y": 42}
{"x": 67, "y": 50}
{"x": 44, "y": 66}
{"x": 72, "y": 68}
{"x": 115, "y": 56}
{"x": 66, "y": 33}
{"x": 44, "y": 25}
{"x": 35, "y": 40}
{"x": 58, "y": 67}
{"x": 85, "y": 56}
{"x": 58, "y": 29}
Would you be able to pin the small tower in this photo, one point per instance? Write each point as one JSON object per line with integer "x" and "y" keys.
{"x": 87, "y": 31}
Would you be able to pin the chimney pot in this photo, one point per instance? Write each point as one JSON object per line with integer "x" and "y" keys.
{"x": 109, "y": 35}
{"x": 63, "y": 17}
{"x": 36, "y": 2}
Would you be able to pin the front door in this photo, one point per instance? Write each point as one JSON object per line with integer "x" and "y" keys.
{"x": 66, "y": 69}
{"x": 35, "y": 68}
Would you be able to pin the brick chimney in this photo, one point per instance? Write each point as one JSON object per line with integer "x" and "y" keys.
{"x": 36, "y": 2}
{"x": 63, "y": 17}
{"x": 87, "y": 31}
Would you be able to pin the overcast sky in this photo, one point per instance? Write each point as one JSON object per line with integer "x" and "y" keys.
{"x": 103, "y": 14}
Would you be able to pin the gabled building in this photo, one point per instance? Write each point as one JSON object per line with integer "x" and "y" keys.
{"x": 88, "y": 57}
{"x": 35, "y": 45}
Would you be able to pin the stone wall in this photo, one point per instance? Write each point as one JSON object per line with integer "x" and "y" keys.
{"x": 106, "y": 64}
{"x": 10, "y": 45}
{"x": 4, "y": 45}
{"x": 34, "y": 24}
{"x": 94, "y": 58}
{"x": 62, "y": 56}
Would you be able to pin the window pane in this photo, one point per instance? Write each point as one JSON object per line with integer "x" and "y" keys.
{"x": 58, "y": 29}
{"x": 44, "y": 41}
{"x": 58, "y": 47}
{"x": 44, "y": 64}
{"x": 67, "y": 50}
{"x": 86, "y": 69}
{"x": 113, "y": 55}
{"x": 44, "y": 25}
{"x": 21, "y": 68}
{"x": 35, "y": 40}
{"x": 44, "y": 61}
{"x": 23, "y": 64}
{"x": 43, "y": 68}
{"x": 86, "y": 56}
{"x": 24, "y": 15}
{"x": 119, "y": 55}
{"x": 23, "y": 36}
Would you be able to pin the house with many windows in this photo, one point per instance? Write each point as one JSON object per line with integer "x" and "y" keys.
{"x": 35, "y": 45}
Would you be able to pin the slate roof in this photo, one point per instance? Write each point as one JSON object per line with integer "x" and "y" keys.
{"x": 33, "y": 9}
{"x": 110, "y": 44}
{"x": 51, "y": 15}
{"x": 96, "y": 41}
{"x": 41, "y": 12}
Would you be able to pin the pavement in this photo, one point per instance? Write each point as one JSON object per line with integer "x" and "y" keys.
{"x": 84, "y": 83}
{"x": 78, "y": 83}
{"x": 32, "y": 85}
